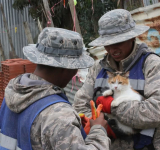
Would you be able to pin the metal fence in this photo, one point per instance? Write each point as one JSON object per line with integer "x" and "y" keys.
{"x": 15, "y": 21}
{"x": 150, "y": 2}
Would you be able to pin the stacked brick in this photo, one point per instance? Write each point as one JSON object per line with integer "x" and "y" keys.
{"x": 11, "y": 68}
{"x": 29, "y": 67}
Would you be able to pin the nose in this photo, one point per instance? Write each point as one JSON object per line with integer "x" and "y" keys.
{"x": 115, "y": 87}
{"x": 111, "y": 48}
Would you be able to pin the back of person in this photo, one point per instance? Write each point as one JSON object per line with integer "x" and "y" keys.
{"x": 42, "y": 117}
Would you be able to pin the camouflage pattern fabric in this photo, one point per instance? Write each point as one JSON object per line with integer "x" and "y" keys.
{"x": 58, "y": 126}
{"x": 59, "y": 48}
{"x": 117, "y": 26}
{"x": 142, "y": 115}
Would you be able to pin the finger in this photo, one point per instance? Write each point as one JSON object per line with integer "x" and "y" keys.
{"x": 101, "y": 115}
{"x": 91, "y": 121}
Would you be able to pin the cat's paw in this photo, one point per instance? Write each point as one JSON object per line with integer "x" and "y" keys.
{"x": 107, "y": 93}
{"x": 115, "y": 103}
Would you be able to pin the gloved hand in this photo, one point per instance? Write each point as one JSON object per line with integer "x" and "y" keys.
{"x": 86, "y": 125}
{"x": 95, "y": 114}
{"x": 85, "y": 122}
{"x": 106, "y": 102}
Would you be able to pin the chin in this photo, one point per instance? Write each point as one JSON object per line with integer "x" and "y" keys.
{"x": 117, "y": 60}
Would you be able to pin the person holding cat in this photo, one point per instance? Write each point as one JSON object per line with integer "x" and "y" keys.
{"x": 118, "y": 32}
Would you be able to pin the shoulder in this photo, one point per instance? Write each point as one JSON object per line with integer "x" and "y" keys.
{"x": 95, "y": 68}
{"x": 151, "y": 64}
{"x": 96, "y": 65}
{"x": 152, "y": 59}
{"x": 55, "y": 124}
{"x": 62, "y": 113}
{"x": 56, "y": 117}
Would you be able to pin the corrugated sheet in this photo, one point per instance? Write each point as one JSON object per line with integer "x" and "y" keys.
{"x": 71, "y": 89}
{"x": 149, "y": 2}
{"x": 15, "y": 19}
{"x": 149, "y": 16}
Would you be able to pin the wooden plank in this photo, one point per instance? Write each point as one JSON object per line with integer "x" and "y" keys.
{"x": 8, "y": 34}
{"x": 39, "y": 25}
{"x": 2, "y": 52}
{"x": 28, "y": 33}
{"x": 47, "y": 11}
{"x": 74, "y": 16}
{"x": 142, "y": 3}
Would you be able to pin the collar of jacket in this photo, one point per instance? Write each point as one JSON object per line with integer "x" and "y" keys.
{"x": 125, "y": 64}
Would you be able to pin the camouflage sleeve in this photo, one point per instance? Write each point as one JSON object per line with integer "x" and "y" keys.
{"x": 85, "y": 93}
{"x": 145, "y": 114}
{"x": 156, "y": 140}
{"x": 58, "y": 128}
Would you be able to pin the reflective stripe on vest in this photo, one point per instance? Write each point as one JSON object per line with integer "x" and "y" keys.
{"x": 15, "y": 128}
{"x": 136, "y": 76}
{"x": 8, "y": 143}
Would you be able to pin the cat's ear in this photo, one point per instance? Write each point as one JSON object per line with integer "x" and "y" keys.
{"x": 126, "y": 74}
{"x": 110, "y": 75}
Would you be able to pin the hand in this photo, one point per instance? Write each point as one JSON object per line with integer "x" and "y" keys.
{"x": 106, "y": 102}
{"x": 99, "y": 121}
{"x": 85, "y": 123}
{"x": 95, "y": 114}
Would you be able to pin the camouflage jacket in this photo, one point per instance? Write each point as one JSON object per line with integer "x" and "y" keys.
{"x": 58, "y": 126}
{"x": 137, "y": 115}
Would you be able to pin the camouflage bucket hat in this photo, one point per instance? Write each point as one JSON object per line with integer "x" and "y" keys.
{"x": 117, "y": 26}
{"x": 59, "y": 48}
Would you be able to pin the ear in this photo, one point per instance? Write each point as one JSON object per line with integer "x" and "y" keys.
{"x": 126, "y": 74}
{"x": 110, "y": 75}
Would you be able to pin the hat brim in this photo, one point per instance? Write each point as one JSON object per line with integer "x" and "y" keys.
{"x": 37, "y": 57}
{"x": 109, "y": 40}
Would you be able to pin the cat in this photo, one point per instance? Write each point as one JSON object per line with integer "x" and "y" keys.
{"x": 122, "y": 91}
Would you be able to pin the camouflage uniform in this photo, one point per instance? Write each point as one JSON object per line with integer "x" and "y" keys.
{"x": 114, "y": 27}
{"x": 57, "y": 127}
{"x": 143, "y": 115}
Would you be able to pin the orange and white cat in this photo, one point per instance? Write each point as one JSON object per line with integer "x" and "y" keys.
{"x": 122, "y": 91}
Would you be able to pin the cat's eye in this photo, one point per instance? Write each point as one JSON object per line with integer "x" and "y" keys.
{"x": 112, "y": 82}
{"x": 119, "y": 82}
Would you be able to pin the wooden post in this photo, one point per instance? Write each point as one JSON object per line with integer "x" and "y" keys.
{"x": 74, "y": 14}
{"x": 2, "y": 52}
{"x": 47, "y": 11}
{"x": 28, "y": 33}
{"x": 142, "y": 3}
{"x": 118, "y": 2}
{"x": 9, "y": 37}
{"x": 39, "y": 25}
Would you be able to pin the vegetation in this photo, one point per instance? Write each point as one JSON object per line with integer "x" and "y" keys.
{"x": 88, "y": 16}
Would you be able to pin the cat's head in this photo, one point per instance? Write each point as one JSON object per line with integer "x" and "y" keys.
{"x": 118, "y": 80}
